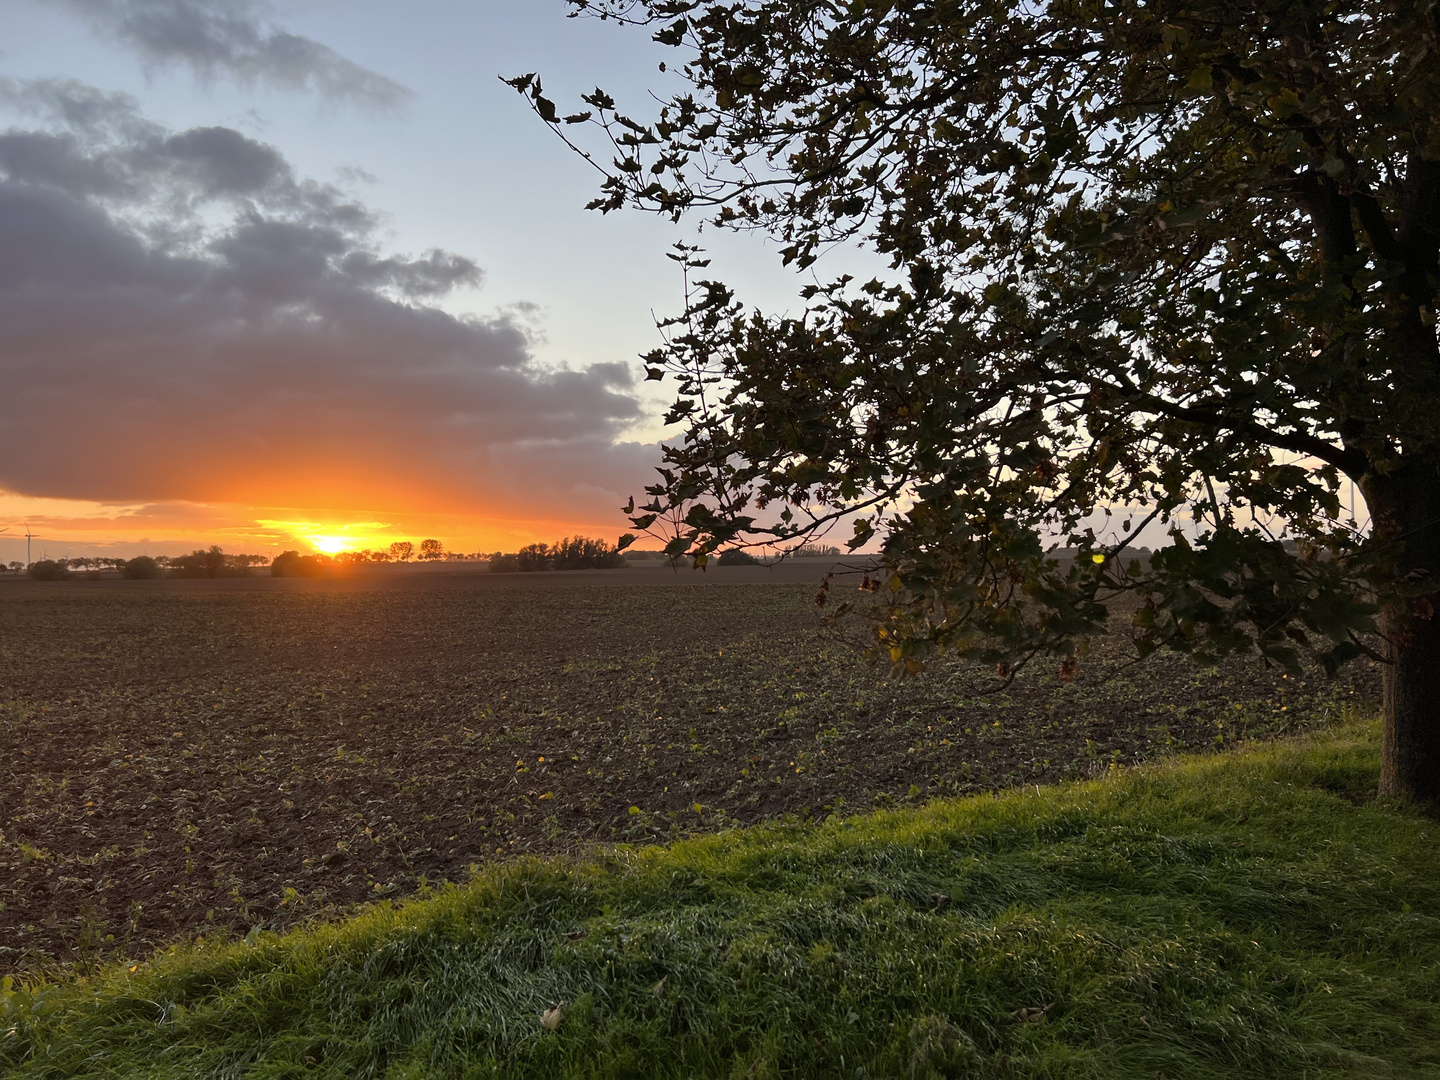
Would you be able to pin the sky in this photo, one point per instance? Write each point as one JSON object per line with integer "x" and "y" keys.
{"x": 308, "y": 272}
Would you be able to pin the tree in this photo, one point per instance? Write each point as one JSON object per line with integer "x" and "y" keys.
{"x": 294, "y": 564}
{"x": 200, "y": 563}
{"x": 140, "y": 568}
{"x": 48, "y": 570}
{"x": 571, "y": 553}
{"x": 1149, "y": 262}
{"x": 430, "y": 550}
{"x": 533, "y": 557}
{"x": 402, "y": 550}
{"x": 585, "y": 553}
{"x": 501, "y": 563}
{"x": 737, "y": 557}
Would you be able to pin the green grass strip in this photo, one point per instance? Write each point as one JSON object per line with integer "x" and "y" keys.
{"x": 1252, "y": 914}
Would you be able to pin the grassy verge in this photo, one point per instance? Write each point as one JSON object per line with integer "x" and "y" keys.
{"x": 1251, "y": 914}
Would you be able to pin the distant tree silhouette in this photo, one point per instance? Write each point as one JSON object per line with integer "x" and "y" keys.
{"x": 737, "y": 557}
{"x": 140, "y": 568}
{"x": 533, "y": 557}
{"x": 501, "y": 563}
{"x": 583, "y": 553}
{"x": 401, "y": 550}
{"x": 573, "y": 553}
{"x": 212, "y": 563}
{"x": 48, "y": 570}
{"x": 293, "y": 564}
{"x": 430, "y": 550}
{"x": 199, "y": 564}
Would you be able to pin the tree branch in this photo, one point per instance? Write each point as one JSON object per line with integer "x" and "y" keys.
{"x": 1351, "y": 462}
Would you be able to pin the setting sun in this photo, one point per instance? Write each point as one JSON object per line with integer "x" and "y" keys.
{"x": 330, "y": 545}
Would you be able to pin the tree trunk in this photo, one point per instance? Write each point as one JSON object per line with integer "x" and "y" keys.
{"x": 1405, "y": 508}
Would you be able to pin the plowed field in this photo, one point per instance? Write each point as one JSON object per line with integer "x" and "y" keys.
{"x": 187, "y": 758}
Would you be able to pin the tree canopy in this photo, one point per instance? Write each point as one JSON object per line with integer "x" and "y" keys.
{"x": 1149, "y": 262}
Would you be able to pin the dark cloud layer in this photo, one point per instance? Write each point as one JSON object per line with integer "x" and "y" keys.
{"x": 228, "y": 38}
{"x": 183, "y": 318}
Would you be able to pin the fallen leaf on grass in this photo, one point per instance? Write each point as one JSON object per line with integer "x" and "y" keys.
{"x": 1031, "y": 1015}
{"x": 659, "y": 987}
{"x": 550, "y": 1018}
{"x": 939, "y": 899}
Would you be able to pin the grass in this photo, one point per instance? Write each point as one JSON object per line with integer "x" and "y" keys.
{"x": 1251, "y": 914}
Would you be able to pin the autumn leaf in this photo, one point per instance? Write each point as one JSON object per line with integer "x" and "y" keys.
{"x": 1031, "y": 1015}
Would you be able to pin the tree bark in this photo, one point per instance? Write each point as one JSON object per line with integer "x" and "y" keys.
{"x": 1405, "y": 508}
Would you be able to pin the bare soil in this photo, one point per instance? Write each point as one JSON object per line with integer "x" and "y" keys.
{"x": 193, "y": 757}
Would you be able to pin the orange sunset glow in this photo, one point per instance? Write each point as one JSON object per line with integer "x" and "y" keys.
{"x": 300, "y": 386}
{"x": 333, "y": 545}
{"x": 63, "y": 528}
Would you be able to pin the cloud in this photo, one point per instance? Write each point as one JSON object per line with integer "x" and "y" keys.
{"x": 228, "y": 38}
{"x": 183, "y": 318}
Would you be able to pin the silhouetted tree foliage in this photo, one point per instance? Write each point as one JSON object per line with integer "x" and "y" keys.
{"x": 294, "y": 564}
{"x": 211, "y": 563}
{"x": 141, "y": 567}
{"x": 812, "y": 551}
{"x": 430, "y": 550}
{"x": 402, "y": 550}
{"x": 737, "y": 557}
{"x": 1171, "y": 260}
{"x": 200, "y": 563}
{"x": 48, "y": 570}
{"x": 572, "y": 553}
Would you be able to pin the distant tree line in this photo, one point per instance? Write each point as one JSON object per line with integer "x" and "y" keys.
{"x": 572, "y": 553}
{"x": 299, "y": 564}
{"x": 811, "y": 551}
{"x": 201, "y": 563}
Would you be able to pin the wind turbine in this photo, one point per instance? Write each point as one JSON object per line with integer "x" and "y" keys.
{"x": 28, "y": 537}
